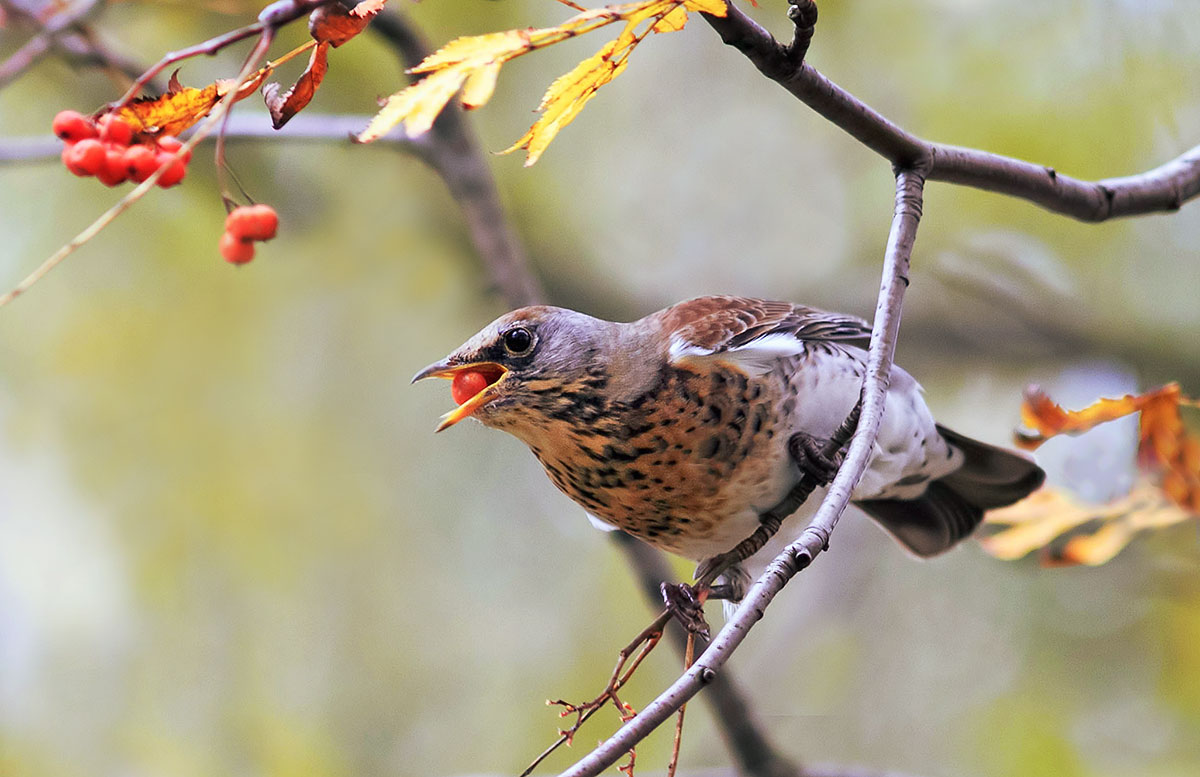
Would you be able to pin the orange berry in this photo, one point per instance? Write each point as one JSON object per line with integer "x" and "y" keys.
{"x": 253, "y": 222}
{"x": 173, "y": 174}
{"x": 115, "y": 130}
{"x": 73, "y": 126}
{"x": 466, "y": 385}
{"x": 171, "y": 144}
{"x": 140, "y": 162}
{"x": 112, "y": 172}
{"x": 84, "y": 158}
{"x": 235, "y": 250}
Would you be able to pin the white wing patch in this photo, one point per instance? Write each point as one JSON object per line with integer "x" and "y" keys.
{"x": 755, "y": 358}
{"x": 681, "y": 349}
{"x": 599, "y": 524}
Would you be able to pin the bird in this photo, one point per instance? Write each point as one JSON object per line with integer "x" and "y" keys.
{"x": 684, "y": 428}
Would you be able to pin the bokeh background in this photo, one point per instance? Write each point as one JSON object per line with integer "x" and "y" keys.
{"x": 230, "y": 543}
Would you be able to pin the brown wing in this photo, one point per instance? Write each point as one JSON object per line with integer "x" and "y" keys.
{"x": 719, "y": 323}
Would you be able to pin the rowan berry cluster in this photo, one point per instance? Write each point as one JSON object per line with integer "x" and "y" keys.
{"x": 105, "y": 149}
{"x": 243, "y": 226}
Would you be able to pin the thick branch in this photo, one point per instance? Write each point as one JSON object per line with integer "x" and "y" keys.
{"x": 454, "y": 152}
{"x": 41, "y": 43}
{"x": 244, "y": 126}
{"x": 1164, "y": 188}
{"x": 815, "y": 538}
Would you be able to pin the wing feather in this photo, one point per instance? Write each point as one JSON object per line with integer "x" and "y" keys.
{"x": 753, "y": 331}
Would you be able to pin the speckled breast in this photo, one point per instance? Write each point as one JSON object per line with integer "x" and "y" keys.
{"x": 677, "y": 463}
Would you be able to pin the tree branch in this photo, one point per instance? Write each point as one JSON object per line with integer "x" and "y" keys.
{"x": 1164, "y": 188}
{"x": 454, "y": 152}
{"x": 45, "y": 40}
{"x": 815, "y": 538}
{"x": 754, "y": 753}
{"x": 245, "y": 126}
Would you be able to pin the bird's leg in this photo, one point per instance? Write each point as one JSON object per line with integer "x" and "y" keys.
{"x": 819, "y": 459}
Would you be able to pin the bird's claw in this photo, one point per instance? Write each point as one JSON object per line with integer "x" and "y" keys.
{"x": 686, "y": 604}
{"x": 809, "y": 454}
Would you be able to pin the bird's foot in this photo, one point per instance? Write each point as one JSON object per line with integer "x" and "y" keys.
{"x": 685, "y": 603}
{"x": 811, "y": 456}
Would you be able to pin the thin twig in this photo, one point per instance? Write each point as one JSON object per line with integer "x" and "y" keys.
{"x": 689, "y": 654}
{"x": 270, "y": 18}
{"x": 815, "y": 538}
{"x": 736, "y": 719}
{"x": 1162, "y": 189}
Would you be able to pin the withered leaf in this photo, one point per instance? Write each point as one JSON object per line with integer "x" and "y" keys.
{"x": 1064, "y": 530}
{"x": 283, "y": 107}
{"x": 1067, "y": 532}
{"x": 335, "y": 24}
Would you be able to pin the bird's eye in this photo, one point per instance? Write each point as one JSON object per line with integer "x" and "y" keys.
{"x": 518, "y": 340}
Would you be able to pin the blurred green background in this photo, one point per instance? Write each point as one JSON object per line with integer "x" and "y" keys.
{"x": 231, "y": 545}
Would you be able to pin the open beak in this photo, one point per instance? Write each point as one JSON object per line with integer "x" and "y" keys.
{"x": 443, "y": 369}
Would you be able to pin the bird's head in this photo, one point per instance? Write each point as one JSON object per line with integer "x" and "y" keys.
{"x": 514, "y": 371}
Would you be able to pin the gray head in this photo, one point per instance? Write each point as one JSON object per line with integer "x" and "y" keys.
{"x": 527, "y": 359}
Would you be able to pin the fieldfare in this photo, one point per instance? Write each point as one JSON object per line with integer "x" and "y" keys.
{"x": 686, "y": 427}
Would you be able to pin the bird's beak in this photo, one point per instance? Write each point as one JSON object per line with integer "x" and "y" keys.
{"x": 444, "y": 369}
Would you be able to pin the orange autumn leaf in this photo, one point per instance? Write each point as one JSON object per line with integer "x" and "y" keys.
{"x": 469, "y": 67}
{"x": 1066, "y": 531}
{"x": 181, "y": 106}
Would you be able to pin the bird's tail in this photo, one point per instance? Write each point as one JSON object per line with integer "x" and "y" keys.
{"x": 953, "y": 506}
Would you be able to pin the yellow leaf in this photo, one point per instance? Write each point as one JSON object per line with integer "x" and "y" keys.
{"x": 565, "y": 99}
{"x": 416, "y": 106}
{"x": 483, "y": 49}
{"x": 473, "y": 64}
{"x": 710, "y": 7}
{"x": 1067, "y": 532}
{"x": 479, "y": 86}
{"x": 673, "y": 21}
{"x": 172, "y": 113}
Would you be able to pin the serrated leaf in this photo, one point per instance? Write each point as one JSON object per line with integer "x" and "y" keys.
{"x": 417, "y": 106}
{"x": 710, "y": 7}
{"x": 480, "y": 85}
{"x": 171, "y": 113}
{"x": 473, "y": 64}
{"x": 672, "y": 22}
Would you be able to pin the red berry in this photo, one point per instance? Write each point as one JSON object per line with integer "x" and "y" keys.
{"x": 235, "y": 250}
{"x": 73, "y": 126}
{"x": 173, "y": 174}
{"x": 467, "y": 384}
{"x": 171, "y": 144}
{"x": 115, "y": 130}
{"x": 253, "y": 222}
{"x": 112, "y": 171}
{"x": 140, "y": 162}
{"x": 85, "y": 158}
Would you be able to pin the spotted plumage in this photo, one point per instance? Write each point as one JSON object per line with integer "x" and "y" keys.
{"x": 676, "y": 427}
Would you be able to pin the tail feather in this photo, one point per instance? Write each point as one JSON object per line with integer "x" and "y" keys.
{"x": 953, "y": 505}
